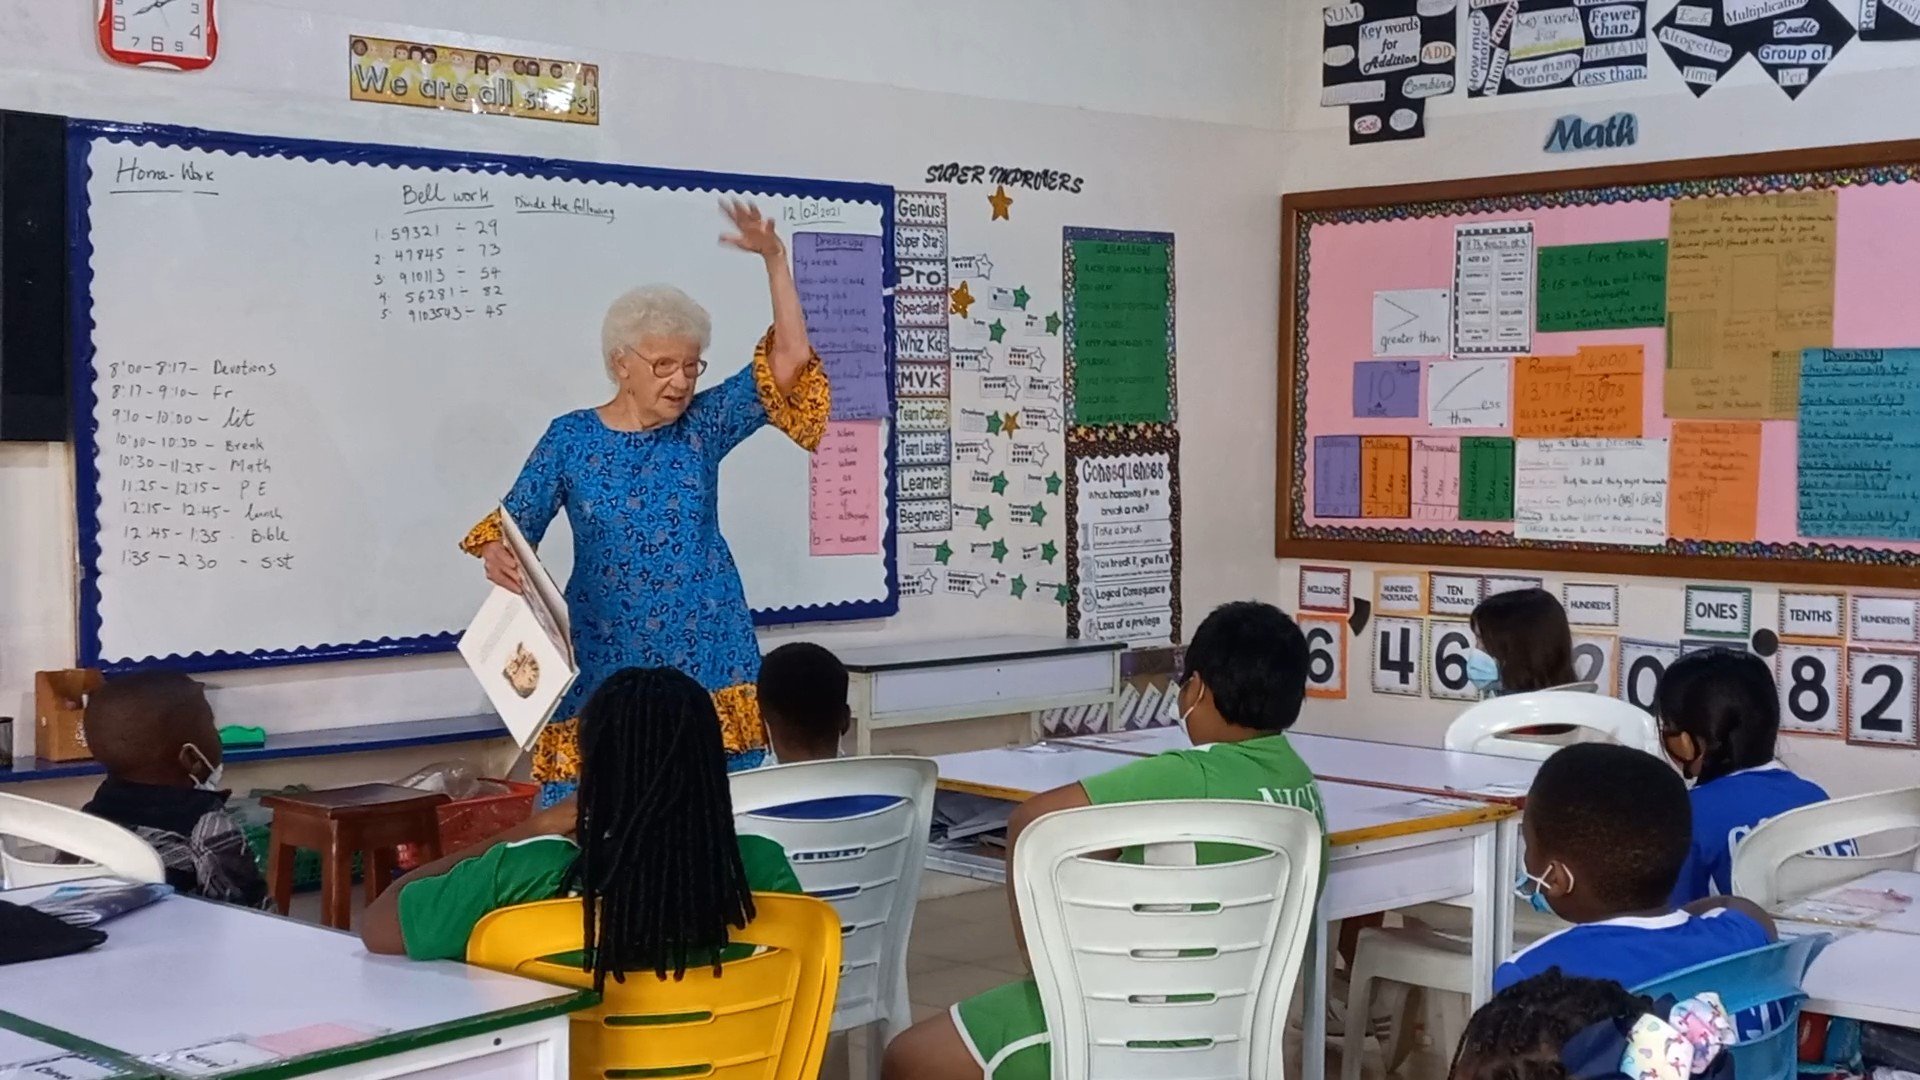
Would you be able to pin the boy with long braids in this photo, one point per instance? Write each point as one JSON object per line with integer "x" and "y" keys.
{"x": 648, "y": 843}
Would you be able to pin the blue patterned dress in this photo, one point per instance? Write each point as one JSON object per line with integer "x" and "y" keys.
{"x": 654, "y": 583}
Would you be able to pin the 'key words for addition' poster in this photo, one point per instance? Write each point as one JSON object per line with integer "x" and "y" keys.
{"x": 1383, "y": 59}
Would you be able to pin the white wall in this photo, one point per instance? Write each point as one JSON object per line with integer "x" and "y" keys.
{"x": 1860, "y": 98}
{"x": 886, "y": 89}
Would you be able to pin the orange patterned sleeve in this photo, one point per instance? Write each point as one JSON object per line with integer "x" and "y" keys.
{"x": 482, "y": 534}
{"x": 801, "y": 412}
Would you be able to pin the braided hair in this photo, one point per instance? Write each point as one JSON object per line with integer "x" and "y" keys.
{"x": 659, "y": 871}
{"x": 1518, "y": 1035}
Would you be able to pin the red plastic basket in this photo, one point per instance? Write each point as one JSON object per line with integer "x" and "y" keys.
{"x": 469, "y": 821}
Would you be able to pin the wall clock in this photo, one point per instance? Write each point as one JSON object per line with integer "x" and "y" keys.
{"x": 179, "y": 34}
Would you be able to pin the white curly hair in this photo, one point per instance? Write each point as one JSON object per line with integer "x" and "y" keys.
{"x": 652, "y": 311}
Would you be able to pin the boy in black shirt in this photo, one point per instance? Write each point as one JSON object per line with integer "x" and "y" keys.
{"x": 153, "y": 732}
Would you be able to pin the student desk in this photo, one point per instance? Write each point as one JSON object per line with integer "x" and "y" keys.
{"x": 18, "y": 1051}
{"x": 1864, "y": 975}
{"x": 931, "y": 682}
{"x": 1422, "y": 769}
{"x": 185, "y": 973}
{"x": 1830, "y": 907}
{"x": 1387, "y": 849}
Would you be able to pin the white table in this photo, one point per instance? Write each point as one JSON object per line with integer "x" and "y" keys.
{"x": 17, "y": 1051}
{"x": 1865, "y": 975}
{"x": 932, "y": 682}
{"x": 1423, "y": 769}
{"x": 1387, "y": 849}
{"x": 183, "y": 973}
{"x": 1832, "y": 909}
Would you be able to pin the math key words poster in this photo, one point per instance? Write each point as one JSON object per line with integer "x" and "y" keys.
{"x": 1383, "y": 59}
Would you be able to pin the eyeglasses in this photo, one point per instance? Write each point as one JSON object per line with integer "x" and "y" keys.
{"x": 665, "y": 368}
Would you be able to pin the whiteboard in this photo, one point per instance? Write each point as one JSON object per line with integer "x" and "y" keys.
{"x": 288, "y": 416}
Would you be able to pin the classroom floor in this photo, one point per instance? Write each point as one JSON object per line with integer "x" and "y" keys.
{"x": 963, "y": 944}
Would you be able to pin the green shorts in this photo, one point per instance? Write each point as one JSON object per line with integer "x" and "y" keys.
{"x": 1006, "y": 1031}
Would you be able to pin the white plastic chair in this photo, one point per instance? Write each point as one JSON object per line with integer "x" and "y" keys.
{"x": 1483, "y": 727}
{"x": 1431, "y": 957}
{"x": 106, "y": 848}
{"x": 1154, "y": 971}
{"x": 1777, "y": 862}
{"x": 865, "y": 860}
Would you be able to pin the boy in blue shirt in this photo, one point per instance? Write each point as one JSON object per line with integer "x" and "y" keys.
{"x": 1607, "y": 829}
{"x": 1719, "y": 716}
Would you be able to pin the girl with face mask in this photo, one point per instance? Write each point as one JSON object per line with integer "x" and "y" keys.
{"x": 1524, "y": 644}
{"x": 1719, "y": 714}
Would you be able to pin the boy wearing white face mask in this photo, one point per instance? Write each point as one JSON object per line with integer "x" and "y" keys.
{"x": 1606, "y": 831}
{"x": 153, "y": 732}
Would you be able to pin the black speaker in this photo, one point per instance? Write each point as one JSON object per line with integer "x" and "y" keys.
{"x": 33, "y": 277}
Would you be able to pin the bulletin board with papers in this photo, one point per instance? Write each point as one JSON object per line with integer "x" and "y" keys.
{"x": 1708, "y": 368}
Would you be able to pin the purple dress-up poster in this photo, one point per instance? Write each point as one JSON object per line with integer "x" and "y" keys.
{"x": 840, "y": 277}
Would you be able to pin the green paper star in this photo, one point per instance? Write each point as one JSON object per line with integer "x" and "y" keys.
{"x": 1049, "y": 551}
{"x": 999, "y": 551}
{"x": 1053, "y": 484}
{"x": 1020, "y": 297}
{"x": 1018, "y": 587}
{"x": 993, "y": 424}
{"x": 996, "y": 330}
{"x": 1039, "y": 514}
{"x": 1061, "y": 595}
{"x": 999, "y": 483}
{"x": 983, "y": 518}
{"x": 943, "y": 554}
{"x": 1053, "y": 322}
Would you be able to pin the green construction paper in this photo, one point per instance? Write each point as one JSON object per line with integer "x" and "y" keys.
{"x": 239, "y": 737}
{"x": 1603, "y": 286}
{"x": 1121, "y": 332}
{"x": 1486, "y": 478}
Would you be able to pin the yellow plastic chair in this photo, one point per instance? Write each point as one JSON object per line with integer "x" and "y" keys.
{"x": 764, "y": 1017}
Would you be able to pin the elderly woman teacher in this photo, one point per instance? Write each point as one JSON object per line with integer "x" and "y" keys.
{"x": 654, "y": 583}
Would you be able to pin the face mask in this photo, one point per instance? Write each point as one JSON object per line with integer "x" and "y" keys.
{"x": 1482, "y": 672}
{"x": 1173, "y": 712}
{"x": 1534, "y": 889}
{"x": 211, "y": 781}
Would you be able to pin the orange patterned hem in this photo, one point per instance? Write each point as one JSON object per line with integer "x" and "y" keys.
{"x": 556, "y": 752}
{"x": 486, "y": 532}
{"x": 800, "y": 412}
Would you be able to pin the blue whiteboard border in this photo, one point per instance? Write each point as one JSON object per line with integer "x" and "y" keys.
{"x": 80, "y": 136}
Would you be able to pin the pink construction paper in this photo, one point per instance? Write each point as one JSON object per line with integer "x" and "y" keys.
{"x": 1877, "y": 248}
{"x": 311, "y": 1039}
{"x": 844, "y": 493}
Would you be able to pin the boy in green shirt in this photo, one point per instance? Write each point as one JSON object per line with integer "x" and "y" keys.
{"x": 648, "y": 842}
{"x": 1244, "y": 680}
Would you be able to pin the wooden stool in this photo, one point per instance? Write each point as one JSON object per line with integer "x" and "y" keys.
{"x": 369, "y": 818}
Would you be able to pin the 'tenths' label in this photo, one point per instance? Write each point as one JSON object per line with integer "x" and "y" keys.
{"x": 1813, "y": 615}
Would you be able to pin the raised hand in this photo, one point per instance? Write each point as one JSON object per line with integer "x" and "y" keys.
{"x": 753, "y": 231}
